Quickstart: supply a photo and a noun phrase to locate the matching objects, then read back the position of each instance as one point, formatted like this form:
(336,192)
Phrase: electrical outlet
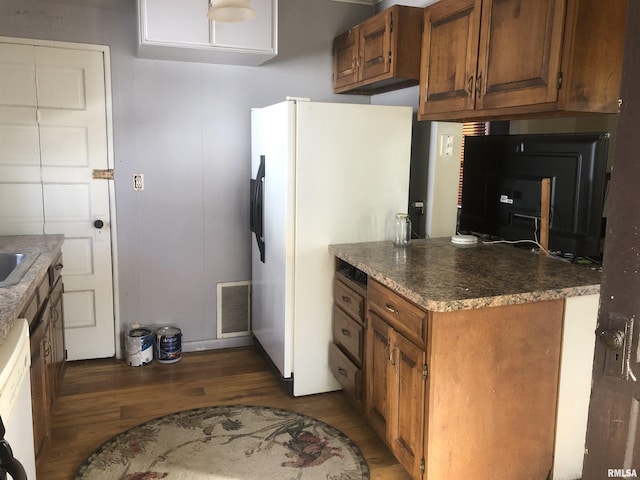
(138,182)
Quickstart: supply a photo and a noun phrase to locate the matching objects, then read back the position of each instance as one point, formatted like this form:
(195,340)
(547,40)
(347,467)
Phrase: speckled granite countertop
(443,277)
(14,299)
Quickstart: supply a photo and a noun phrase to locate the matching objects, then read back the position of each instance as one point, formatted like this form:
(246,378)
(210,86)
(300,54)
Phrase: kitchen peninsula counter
(468,361)
(14,299)
(442,277)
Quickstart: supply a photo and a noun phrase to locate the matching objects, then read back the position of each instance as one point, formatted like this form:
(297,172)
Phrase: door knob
(613,339)
(98,224)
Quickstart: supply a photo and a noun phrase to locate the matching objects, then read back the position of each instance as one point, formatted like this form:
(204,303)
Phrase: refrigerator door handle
(257,207)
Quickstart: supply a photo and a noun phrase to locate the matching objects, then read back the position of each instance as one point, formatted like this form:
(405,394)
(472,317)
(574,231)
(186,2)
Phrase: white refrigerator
(321,174)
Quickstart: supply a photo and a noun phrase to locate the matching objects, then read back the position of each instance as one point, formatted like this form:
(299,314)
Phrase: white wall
(186,127)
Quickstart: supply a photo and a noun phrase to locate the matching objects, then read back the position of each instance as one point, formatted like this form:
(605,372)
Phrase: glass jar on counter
(402,230)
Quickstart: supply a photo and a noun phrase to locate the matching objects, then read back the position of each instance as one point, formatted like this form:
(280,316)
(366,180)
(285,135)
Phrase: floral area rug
(228,443)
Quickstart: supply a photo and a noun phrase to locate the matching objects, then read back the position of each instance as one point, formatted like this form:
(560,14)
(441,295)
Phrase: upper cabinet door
(345,58)
(520,52)
(168,21)
(255,34)
(375,45)
(449,56)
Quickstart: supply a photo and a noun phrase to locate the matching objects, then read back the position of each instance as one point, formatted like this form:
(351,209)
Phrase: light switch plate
(447,145)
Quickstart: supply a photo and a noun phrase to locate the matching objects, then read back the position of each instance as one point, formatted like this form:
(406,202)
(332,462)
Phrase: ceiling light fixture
(230,10)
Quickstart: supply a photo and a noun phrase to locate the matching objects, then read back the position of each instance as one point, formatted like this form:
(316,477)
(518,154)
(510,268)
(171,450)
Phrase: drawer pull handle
(346,333)
(342,371)
(346,299)
(390,308)
(58,266)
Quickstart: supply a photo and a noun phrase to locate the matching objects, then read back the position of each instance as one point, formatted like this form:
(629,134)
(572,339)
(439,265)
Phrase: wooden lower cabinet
(464,394)
(396,385)
(396,377)
(45,315)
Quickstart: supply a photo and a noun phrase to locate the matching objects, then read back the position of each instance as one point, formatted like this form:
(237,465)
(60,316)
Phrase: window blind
(469,128)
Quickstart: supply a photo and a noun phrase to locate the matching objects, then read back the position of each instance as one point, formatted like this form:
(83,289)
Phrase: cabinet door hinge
(425,372)
(559,81)
(422,466)
(391,26)
(389,57)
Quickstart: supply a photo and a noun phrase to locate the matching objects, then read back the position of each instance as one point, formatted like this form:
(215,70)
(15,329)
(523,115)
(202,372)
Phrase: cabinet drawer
(349,300)
(348,333)
(401,314)
(346,372)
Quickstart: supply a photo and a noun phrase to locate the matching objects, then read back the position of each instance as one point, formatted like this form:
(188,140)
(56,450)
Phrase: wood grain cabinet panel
(348,374)
(41,398)
(396,378)
(346,353)
(449,57)
(493,389)
(48,354)
(507,58)
(58,349)
(349,334)
(398,312)
(407,386)
(463,394)
(380,54)
(345,59)
(377,373)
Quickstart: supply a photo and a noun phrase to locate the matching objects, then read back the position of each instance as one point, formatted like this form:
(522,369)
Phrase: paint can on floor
(139,347)
(168,345)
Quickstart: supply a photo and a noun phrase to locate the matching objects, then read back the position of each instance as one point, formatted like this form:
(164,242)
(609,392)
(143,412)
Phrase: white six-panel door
(53,134)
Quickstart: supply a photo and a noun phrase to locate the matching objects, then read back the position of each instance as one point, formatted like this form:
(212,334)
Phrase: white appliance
(15,395)
(322,173)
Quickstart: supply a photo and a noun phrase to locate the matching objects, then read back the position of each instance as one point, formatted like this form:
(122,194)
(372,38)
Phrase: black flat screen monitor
(501,188)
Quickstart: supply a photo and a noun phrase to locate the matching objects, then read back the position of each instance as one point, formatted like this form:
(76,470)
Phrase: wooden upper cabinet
(450,56)
(506,58)
(380,54)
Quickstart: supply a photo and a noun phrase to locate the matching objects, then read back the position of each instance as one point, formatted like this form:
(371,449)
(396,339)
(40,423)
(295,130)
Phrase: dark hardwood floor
(100,398)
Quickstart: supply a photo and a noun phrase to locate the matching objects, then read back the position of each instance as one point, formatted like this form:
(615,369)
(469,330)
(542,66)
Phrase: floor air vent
(234,309)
